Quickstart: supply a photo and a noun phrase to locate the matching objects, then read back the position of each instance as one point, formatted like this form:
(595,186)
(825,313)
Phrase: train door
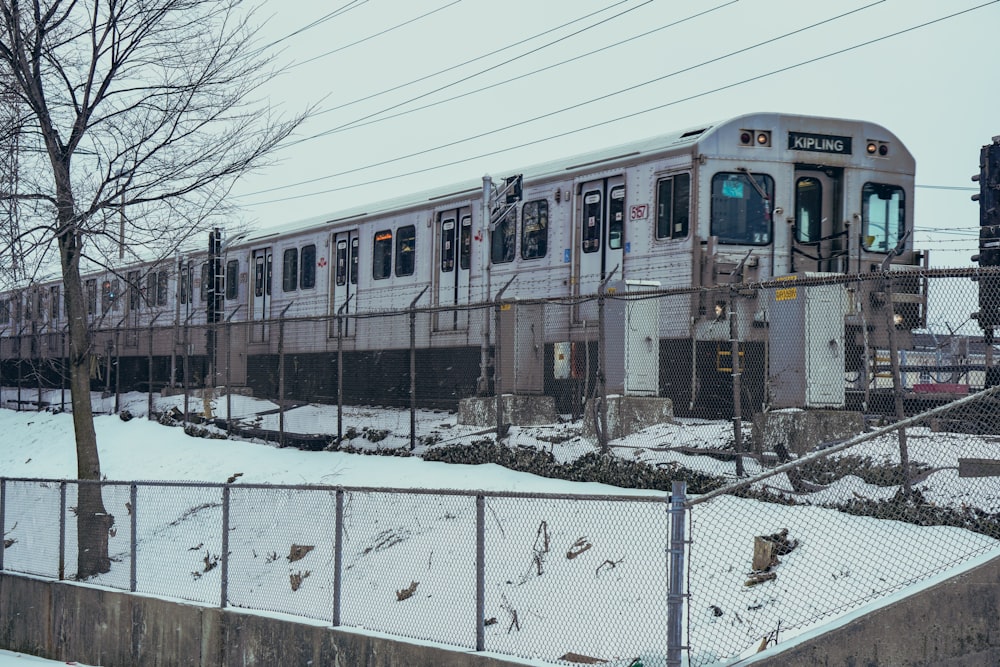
(260,296)
(601,233)
(344,278)
(819,236)
(454,244)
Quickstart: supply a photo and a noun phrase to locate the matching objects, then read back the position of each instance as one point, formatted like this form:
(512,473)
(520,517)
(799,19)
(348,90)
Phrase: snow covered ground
(615,578)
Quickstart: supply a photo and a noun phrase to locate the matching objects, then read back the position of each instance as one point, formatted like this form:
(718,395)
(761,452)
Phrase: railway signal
(989,232)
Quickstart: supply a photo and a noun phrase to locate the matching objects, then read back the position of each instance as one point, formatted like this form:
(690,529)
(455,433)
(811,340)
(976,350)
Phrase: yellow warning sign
(786,294)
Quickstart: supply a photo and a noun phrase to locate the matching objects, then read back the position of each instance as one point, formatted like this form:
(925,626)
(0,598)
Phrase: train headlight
(763,138)
(746,138)
(897,319)
(879,148)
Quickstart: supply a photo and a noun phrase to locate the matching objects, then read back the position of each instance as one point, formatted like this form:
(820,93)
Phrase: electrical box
(521,341)
(806,344)
(632,339)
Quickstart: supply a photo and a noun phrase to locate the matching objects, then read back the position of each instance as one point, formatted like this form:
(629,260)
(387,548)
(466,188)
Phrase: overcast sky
(921,68)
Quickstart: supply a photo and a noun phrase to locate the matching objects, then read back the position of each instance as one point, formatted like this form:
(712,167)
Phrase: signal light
(989,233)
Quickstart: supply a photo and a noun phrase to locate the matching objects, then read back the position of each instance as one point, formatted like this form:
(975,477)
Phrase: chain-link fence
(837,434)
(888,343)
(843,526)
(553,577)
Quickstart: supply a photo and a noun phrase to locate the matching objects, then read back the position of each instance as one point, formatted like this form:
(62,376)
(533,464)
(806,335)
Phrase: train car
(742,200)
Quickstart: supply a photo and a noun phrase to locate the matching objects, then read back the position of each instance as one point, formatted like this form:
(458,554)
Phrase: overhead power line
(480,57)
(605,122)
(378,116)
(343,9)
(574,106)
(372,36)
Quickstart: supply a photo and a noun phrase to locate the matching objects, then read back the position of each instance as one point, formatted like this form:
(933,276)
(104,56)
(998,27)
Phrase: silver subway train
(741,201)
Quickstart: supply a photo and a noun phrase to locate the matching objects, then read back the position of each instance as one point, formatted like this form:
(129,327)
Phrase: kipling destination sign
(819,143)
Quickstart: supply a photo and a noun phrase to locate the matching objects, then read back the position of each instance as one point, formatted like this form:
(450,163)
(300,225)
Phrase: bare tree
(140,115)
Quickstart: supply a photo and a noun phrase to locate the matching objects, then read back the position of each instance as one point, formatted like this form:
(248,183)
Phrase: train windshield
(883,213)
(741,208)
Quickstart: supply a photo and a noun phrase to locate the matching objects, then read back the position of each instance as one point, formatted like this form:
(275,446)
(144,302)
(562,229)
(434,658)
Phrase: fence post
(897,381)
(186,369)
(338,555)
(413,370)
(224,567)
(281,375)
(134,546)
(19,346)
(601,411)
(675,594)
(3,517)
(480,572)
(229,372)
(62,528)
(497,360)
(149,375)
(735,363)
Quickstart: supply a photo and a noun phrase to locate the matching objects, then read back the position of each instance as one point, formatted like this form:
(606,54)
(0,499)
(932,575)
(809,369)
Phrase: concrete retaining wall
(65,621)
(954,623)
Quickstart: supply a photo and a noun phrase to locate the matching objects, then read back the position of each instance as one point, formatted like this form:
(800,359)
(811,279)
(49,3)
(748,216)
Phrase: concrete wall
(64,621)
(954,623)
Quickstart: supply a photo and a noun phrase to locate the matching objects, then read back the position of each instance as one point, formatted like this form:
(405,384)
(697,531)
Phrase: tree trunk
(93,521)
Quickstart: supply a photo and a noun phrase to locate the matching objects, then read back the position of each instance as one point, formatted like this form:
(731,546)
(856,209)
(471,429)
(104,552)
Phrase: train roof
(702,138)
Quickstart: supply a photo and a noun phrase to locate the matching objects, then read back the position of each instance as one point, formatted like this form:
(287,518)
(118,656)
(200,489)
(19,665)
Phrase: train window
(232,279)
(132,278)
(109,295)
(465,249)
(503,239)
(406,246)
(534,229)
(262,273)
(28,314)
(54,302)
(616,221)
(206,282)
(307,279)
(883,214)
(185,286)
(290,270)
(593,221)
(673,197)
(4,311)
(448,245)
(808,210)
(162,283)
(382,255)
(341,275)
(741,208)
(355,247)
(91,286)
